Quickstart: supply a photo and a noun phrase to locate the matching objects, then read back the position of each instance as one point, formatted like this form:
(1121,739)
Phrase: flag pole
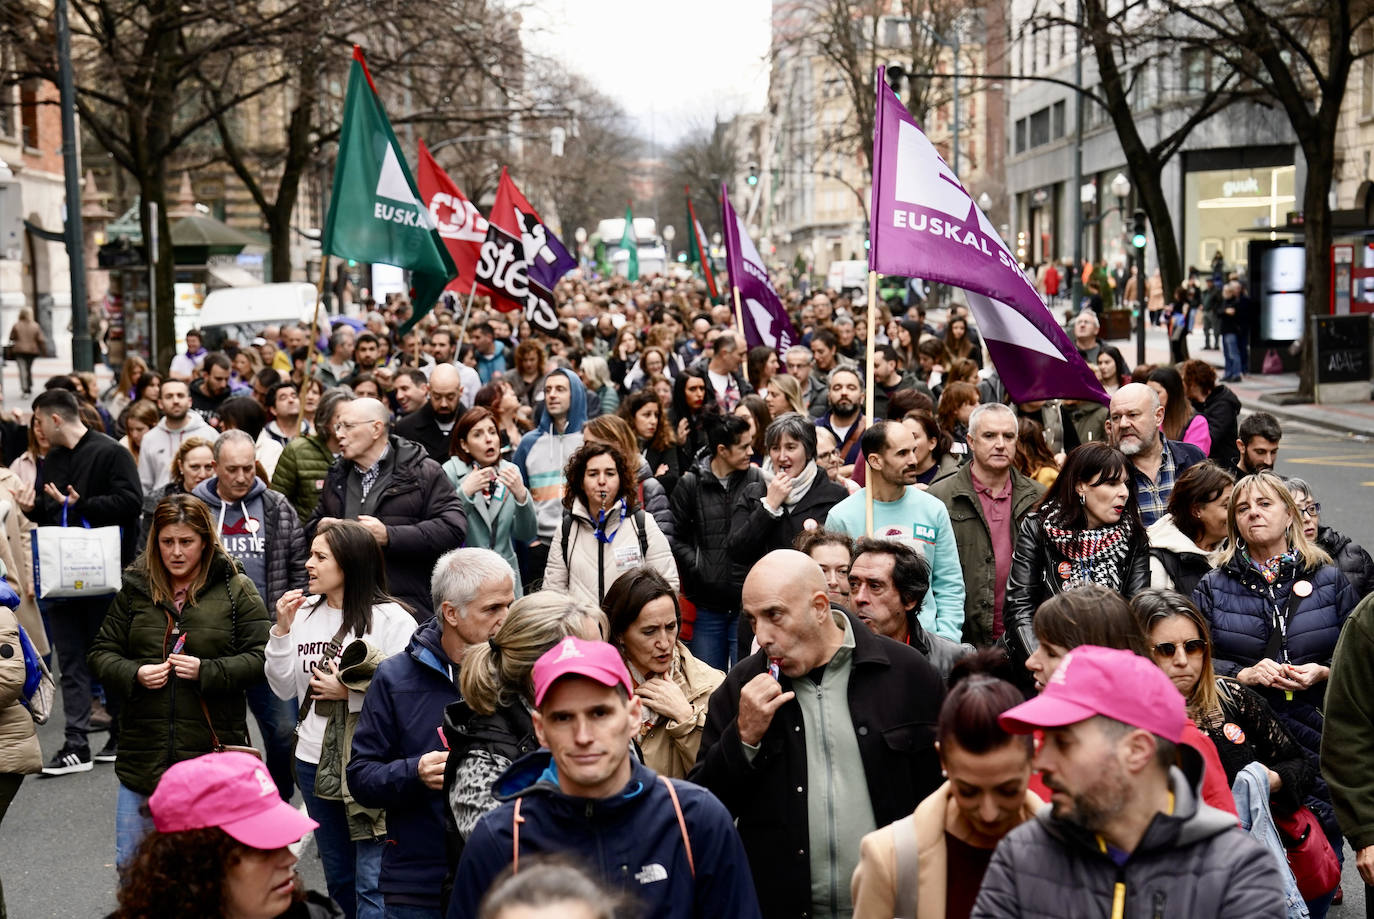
(467,311)
(315,318)
(739,317)
(868,389)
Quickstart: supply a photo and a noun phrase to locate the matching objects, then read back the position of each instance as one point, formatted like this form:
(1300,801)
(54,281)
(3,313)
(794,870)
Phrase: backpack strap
(681,823)
(907,877)
(567,530)
(643,537)
(516,820)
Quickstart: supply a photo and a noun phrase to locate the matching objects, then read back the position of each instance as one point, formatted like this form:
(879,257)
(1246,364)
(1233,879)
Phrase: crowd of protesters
(633,620)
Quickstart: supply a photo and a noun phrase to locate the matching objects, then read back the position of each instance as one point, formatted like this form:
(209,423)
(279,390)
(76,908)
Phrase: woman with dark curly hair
(221,849)
(604,531)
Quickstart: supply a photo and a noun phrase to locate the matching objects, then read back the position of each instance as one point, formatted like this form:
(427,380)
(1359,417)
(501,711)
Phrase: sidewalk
(1257,391)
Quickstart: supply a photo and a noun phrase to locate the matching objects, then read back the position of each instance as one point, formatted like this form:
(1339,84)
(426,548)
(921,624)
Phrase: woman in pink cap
(221,847)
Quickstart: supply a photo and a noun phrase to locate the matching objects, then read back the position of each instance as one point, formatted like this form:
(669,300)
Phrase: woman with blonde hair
(117,398)
(491,726)
(784,395)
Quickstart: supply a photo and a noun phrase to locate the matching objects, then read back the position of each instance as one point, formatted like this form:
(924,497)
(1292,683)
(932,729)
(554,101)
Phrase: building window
(1367,75)
(1057,119)
(9,124)
(1194,71)
(1040,128)
(28,115)
(1021,135)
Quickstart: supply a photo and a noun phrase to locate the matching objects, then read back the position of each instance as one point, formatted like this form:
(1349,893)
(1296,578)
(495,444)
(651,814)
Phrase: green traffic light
(752,180)
(1138,240)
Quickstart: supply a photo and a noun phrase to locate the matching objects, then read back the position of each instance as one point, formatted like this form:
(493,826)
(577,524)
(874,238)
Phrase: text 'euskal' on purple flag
(925,225)
(765,318)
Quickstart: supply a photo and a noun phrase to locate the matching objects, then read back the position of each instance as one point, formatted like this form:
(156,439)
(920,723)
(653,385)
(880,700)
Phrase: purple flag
(925,225)
(765,318)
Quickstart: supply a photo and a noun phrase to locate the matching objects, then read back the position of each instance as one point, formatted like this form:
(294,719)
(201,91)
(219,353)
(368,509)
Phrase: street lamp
(984,202)
(1121,186)
(668,234)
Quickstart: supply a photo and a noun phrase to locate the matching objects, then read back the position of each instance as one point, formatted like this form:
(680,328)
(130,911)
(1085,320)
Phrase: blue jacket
(400,720)
(1240,609)
(632,840)
(542,454)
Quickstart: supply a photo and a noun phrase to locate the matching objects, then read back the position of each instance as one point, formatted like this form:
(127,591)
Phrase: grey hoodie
(160,447)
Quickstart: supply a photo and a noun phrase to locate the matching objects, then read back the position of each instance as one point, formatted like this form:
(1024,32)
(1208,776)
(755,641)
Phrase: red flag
(460,224)
(521,259)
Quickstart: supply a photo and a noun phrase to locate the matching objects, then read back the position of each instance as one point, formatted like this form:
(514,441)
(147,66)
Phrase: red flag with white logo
(460,224)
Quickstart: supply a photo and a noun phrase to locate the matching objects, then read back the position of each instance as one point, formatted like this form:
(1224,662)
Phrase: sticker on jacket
(651,873)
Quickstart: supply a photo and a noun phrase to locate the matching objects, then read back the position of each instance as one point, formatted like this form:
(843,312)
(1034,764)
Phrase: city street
(59,862)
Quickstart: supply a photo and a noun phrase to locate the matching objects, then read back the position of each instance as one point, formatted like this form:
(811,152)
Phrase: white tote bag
(70,561)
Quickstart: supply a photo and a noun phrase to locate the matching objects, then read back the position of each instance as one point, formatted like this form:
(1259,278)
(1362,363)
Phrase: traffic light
(753,178)
(1138,229)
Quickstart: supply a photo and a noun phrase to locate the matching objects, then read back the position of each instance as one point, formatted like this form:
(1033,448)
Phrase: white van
(241,313)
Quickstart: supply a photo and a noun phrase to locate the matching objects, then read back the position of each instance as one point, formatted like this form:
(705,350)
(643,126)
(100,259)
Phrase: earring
(1082,499)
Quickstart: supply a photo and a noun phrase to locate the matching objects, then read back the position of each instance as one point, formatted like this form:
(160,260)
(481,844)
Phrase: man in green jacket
(305,461)
(987,500)
(1348,736)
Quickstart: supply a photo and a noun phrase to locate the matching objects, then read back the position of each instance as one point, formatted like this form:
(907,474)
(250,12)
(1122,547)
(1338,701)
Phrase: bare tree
(1299,53)
(701,160)
(1128,42)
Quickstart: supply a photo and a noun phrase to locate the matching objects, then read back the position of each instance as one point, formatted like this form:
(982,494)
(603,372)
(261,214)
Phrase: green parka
(225,626)
(300,472)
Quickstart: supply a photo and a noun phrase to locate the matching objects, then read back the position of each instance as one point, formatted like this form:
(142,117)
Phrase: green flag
(630,245)
(375,215)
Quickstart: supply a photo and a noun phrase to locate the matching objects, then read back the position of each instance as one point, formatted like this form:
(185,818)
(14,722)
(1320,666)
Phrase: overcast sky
(672,64)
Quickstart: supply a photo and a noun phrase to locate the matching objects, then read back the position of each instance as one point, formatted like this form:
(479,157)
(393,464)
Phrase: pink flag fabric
(765,318)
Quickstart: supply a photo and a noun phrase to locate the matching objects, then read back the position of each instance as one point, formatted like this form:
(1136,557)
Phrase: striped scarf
(1094,556)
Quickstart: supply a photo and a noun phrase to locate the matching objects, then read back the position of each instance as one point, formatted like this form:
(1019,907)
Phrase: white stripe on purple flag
(926,225)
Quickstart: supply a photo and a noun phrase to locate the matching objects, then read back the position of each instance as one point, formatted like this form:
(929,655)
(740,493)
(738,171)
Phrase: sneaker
(69,759)
(107,753)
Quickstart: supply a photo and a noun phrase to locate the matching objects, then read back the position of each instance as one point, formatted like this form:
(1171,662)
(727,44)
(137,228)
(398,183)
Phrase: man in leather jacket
(888,581)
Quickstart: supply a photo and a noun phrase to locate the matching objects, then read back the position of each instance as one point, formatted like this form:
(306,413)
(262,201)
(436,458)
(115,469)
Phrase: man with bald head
(432,423)
(824,734)
(389,485)
(1133,421)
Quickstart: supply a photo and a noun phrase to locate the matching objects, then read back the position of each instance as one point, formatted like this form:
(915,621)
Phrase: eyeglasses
(1311,510)
(1191,647)
(341,426)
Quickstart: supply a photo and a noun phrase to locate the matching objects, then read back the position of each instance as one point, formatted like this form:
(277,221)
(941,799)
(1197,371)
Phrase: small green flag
(375,214)
(630,245)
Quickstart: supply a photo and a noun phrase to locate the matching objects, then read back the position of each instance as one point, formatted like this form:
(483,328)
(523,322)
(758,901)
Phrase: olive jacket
(225,625)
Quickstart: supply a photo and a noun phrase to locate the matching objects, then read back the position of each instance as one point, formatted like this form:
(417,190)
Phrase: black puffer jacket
(716,540)
(1352,559)
(1036,576)
(423,518)
(1221,408)
(781,532)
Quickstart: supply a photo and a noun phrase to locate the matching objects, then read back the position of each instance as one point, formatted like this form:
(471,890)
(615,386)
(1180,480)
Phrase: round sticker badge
(1065,570)
(251,525)
(1233,733)
(810,524)
(1302,588)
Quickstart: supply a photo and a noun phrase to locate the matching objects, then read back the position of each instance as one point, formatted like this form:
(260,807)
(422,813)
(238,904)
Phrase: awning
(232,276)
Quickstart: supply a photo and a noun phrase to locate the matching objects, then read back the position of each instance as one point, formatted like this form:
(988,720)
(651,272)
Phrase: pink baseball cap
(229,790)
(1103,681)
(595,660)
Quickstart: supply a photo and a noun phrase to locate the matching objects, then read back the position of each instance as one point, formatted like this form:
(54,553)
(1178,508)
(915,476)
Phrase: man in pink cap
(1126,833)
(670,846)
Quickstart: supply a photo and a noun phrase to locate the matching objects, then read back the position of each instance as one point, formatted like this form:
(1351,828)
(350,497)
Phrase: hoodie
(543,453)
(160,447)
(1176,562)
(242,527)
(401,710)
(1193,861)
(632,841)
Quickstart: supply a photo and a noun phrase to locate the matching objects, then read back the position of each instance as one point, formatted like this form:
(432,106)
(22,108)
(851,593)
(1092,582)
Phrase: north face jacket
(632,842)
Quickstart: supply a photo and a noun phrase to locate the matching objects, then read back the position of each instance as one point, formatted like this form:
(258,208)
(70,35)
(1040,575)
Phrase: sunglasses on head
(1190,647)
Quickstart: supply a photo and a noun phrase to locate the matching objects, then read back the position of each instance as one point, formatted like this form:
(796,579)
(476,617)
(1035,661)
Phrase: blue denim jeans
(1230,352)
(352,870)
(130,824)
(714,638)
(277,721)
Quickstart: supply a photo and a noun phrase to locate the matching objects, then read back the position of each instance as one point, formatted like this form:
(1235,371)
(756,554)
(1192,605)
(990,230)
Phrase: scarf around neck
(1093,556)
